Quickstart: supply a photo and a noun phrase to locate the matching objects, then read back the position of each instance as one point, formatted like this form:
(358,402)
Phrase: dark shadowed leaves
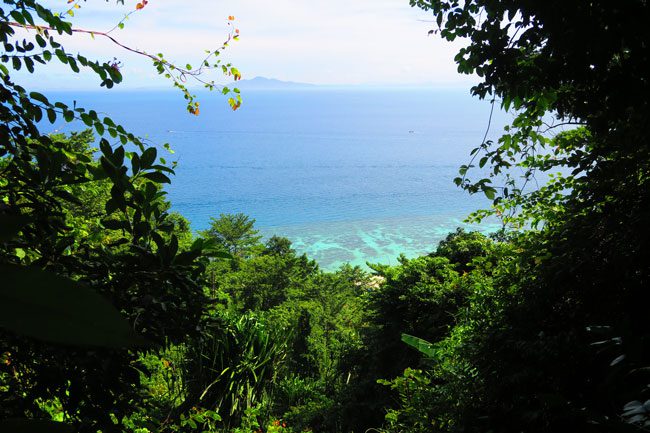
(16,425)
(10,225)
(48,307)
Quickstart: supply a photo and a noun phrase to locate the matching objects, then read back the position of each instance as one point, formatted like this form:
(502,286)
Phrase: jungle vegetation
(116,317)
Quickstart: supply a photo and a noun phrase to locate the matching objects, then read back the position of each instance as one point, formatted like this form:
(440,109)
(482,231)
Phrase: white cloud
(327,42)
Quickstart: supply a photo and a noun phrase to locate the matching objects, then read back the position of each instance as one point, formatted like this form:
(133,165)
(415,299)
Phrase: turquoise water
(348,175)
(371,240)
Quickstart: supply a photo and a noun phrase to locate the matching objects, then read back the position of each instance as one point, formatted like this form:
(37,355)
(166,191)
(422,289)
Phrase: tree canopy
(234,232)
(89,254)
(584,66)
(562,351)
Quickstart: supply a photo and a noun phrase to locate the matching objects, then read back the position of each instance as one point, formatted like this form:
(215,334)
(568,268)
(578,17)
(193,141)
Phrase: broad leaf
(419,344)
(48,307)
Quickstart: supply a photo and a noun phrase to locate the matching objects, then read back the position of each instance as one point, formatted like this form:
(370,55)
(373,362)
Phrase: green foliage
(234,232)
(420,345)
(18,425)
(87,247)
(319,314)
(118,251)
(265,281)
(305,405)
(48,307)
(462,248)
(415,396)
(233,367)
(444,394)
(422,297)
(527,61)
(555,341)
(181,230)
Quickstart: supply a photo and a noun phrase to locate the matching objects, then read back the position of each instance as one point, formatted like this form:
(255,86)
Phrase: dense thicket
(92,269)
(567,350)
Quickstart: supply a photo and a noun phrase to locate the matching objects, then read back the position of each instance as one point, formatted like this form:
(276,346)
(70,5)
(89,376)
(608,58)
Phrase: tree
(565,351)
(278,245)
(84,287)
(528,61)
(422,297)
(234,232)
(267,279)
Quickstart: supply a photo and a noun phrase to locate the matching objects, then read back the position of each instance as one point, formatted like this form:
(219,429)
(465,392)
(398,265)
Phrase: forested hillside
(116,317)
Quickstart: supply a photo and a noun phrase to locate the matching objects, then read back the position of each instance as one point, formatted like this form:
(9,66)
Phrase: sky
(332,42)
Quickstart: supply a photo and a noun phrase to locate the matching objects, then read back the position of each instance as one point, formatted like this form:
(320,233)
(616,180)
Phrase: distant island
(263,83)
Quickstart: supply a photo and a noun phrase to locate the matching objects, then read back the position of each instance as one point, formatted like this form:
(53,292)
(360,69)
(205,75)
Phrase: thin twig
(183,72)
(487,131)
(549,127)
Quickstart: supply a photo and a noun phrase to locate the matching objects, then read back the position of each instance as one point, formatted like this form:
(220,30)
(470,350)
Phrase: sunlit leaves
(108,72)
(179,75)
(420,345)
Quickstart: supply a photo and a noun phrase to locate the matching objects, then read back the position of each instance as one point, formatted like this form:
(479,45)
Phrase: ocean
(348,175)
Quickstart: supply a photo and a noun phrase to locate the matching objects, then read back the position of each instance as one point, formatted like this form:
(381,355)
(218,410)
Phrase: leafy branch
(177,74)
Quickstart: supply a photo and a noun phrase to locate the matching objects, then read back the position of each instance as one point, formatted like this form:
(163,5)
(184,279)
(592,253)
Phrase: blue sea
(348,175)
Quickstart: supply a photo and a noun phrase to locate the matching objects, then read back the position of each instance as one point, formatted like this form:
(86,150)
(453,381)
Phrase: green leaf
(162,168)
(65,195)
(40,41)
(52,308)
(173,246)
(157,177)
(111,206)
(18,16)
(135,163)
(73,64)
(29,64)
(489,192)
(39,97)
(63,58)
(420,345)
(85,118)
(105,147)
(148,157)
(51,115)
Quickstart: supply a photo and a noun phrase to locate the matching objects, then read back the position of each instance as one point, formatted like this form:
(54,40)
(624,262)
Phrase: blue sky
(378,42)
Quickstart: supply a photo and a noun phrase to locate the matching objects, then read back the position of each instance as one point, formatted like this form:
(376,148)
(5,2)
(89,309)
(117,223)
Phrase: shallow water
(371,240)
